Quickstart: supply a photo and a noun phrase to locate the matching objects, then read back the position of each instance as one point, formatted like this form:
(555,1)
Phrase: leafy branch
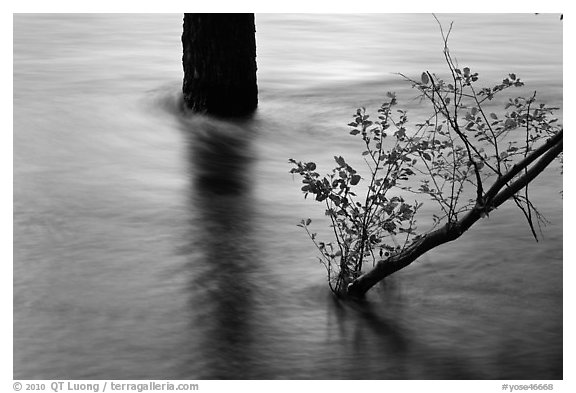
(468,161)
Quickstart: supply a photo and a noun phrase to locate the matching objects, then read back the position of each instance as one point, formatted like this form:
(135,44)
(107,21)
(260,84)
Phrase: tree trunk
(220,64)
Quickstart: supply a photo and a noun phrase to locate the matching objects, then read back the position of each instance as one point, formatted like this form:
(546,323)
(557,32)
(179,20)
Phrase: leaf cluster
(460,157)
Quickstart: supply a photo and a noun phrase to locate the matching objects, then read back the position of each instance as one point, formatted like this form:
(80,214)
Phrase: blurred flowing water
(148,244)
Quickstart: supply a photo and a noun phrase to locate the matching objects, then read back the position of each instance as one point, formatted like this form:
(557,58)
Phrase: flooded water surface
(151,245)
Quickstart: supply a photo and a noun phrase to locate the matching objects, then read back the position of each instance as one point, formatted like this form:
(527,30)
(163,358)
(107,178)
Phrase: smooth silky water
(152,245)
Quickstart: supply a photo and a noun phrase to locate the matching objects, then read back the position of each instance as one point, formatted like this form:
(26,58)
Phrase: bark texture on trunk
(219,63)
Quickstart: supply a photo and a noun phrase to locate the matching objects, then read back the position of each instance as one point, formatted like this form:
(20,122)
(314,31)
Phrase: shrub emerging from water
(466,159)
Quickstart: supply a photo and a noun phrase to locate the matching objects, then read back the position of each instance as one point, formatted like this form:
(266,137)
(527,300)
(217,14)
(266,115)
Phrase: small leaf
(401,133)
(355,179)
(354,132)
(510,123)
(335,199)
(425,78)
(493,115)
(308,221)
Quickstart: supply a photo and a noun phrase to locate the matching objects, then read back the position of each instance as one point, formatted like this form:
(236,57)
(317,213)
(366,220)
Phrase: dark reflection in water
(389,347)
(221,281)
(221,159)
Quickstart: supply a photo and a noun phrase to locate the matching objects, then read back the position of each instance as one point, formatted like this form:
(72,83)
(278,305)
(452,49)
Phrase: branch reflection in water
(381,335)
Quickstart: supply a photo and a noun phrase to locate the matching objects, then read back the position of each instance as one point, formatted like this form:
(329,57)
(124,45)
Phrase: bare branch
(518,167)
(550,154)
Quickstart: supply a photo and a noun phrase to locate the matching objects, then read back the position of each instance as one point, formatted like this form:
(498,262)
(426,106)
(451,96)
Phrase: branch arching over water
(500,192)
